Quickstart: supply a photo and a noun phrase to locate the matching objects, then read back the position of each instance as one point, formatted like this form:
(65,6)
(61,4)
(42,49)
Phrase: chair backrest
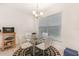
(47,41)
(27,35)
(45,35)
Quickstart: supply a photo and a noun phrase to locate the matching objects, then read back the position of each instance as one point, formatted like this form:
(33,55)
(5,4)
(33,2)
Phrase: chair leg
(43,53)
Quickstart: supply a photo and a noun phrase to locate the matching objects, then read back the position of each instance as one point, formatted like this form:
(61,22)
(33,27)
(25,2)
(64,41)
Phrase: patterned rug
(51,51)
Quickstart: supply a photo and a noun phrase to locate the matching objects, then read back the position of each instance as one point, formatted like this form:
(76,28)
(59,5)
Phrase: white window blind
(51,25)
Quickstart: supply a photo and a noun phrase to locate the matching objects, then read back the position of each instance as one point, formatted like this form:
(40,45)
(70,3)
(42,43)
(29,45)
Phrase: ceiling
(28,7)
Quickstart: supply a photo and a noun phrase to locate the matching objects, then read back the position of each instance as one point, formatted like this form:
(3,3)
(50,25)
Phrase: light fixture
(41,13)
(37,13)
(34,12)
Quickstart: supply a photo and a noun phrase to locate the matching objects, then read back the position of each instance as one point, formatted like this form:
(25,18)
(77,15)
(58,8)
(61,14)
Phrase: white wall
(13,17)
(70,24)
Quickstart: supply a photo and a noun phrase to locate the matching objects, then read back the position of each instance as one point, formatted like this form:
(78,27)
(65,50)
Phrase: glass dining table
(37,47)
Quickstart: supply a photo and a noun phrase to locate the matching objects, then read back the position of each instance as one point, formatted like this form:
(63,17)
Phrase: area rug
(51,51)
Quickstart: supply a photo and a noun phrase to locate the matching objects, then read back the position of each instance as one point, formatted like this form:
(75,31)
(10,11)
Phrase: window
(51,25)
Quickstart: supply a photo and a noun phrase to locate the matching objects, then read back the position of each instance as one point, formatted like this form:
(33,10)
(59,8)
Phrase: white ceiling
(28,6)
